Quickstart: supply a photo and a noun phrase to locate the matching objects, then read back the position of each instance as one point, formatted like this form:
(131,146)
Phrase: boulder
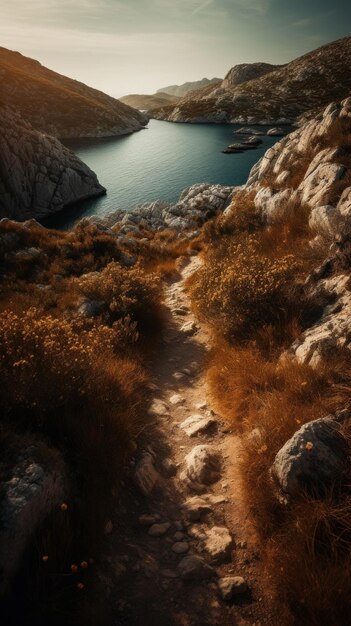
(311,461)
(202,467)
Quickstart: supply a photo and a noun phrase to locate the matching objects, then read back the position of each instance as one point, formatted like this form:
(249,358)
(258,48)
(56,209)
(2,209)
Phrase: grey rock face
(27,497)
(312,460)
(38,175)
(247,71)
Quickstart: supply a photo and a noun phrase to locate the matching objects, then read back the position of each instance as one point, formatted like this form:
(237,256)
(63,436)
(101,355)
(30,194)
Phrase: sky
(139,46)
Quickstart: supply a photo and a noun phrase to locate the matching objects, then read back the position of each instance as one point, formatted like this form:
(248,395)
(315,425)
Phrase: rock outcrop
(195,206)
(265,94)
(38,175)
(309,171)
(60,106)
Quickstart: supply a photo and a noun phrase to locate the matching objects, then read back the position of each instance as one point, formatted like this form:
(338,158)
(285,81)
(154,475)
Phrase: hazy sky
(138,46)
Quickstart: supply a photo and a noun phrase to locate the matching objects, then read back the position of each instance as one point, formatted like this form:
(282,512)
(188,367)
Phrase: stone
(201,406)
(90,308)
(145,475)
(311,461)
(202,466)
(158,407)
(195,568)
(195,507)
(196,424)
(108,527)
(147,520)
(275,132)
(158,530)
(177,399)
(180,547)
(169,467)
(218,543)
(178,536)
(189,328)
(231,587)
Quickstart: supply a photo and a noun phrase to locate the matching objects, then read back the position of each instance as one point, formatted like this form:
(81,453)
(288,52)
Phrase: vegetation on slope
(252,291)
(80,318)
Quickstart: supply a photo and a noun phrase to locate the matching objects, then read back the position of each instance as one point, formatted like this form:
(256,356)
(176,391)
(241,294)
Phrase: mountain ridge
(278,96)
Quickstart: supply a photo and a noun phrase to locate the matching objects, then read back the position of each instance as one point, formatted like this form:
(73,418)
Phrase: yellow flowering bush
(241,288)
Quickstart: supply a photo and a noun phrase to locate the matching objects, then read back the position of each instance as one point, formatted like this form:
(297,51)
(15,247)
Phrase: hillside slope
(279,96)
(145,102)
(38,175)
(185,88)
(60,106)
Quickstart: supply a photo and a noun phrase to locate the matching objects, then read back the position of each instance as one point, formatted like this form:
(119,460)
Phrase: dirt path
(145,582)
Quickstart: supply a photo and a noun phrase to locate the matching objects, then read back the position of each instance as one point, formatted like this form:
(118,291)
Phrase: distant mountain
(264,93)
(146,102)
(183,90)
(60,106)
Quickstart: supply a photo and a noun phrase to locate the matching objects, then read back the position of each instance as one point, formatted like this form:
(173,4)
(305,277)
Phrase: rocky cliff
(310,171)
(38,175)
(260,93)
(60,106)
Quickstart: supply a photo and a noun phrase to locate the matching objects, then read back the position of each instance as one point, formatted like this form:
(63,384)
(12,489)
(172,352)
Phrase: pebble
(108,527)
(177,399)
(189,328)
(196,424)
(201,406)
(169,573)
(180,547)
(157,530)
(158,407)
(194,567)
(178,375)
(218,543)
(178,536)
(147,520)
(169,467)
(232,586)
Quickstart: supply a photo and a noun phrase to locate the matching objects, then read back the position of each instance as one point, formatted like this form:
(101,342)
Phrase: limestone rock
(203,466)
(158,407)
(26,190)
(218,543)
(231,587)
(157,530)
(177,399)
(195,507)
(275,132)
(195,568)
(312,460)
(145,475)
(196,424)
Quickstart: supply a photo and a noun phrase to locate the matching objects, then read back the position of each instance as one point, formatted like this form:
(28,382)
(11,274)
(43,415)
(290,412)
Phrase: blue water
(159,162)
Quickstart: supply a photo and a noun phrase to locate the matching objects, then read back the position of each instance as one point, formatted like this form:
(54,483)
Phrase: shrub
(240,289)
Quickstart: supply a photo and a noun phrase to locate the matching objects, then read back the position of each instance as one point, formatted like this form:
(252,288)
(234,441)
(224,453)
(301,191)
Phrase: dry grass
(250,290)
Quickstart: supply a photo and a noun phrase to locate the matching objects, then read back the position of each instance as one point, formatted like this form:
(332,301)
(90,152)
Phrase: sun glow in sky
(138,46)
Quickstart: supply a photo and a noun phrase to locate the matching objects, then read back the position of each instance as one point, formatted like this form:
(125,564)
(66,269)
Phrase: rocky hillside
(280,94)
(38,175)
(60,106)
(146,102)
(183,90)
